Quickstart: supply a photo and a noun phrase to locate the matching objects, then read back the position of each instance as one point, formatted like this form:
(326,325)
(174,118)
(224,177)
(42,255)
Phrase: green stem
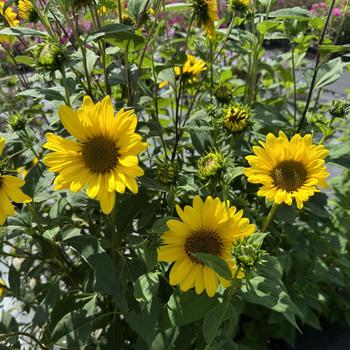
(211,63)
(66,90)
(228,33)
(115,242)
(269,217)
(294,87)
(316,68)
(128,76)
(13,334)
(43,20)
(120,11)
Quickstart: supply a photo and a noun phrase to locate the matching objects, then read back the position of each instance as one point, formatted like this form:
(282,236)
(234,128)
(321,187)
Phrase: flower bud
(237,117)
(210,164)
(247,253)
(339,109)
(17,122)
(224,92)
(238,5)
(154,239)
(50,56)
(168,172)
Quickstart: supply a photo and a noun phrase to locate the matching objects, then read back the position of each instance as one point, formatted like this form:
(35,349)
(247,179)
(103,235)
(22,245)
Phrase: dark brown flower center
(289,175)
(203,241)
(100,155)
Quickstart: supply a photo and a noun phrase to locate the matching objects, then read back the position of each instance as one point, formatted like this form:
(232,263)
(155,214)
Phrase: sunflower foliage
(173,175)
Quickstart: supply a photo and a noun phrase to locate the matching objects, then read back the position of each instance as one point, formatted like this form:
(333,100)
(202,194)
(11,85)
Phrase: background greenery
(65,285)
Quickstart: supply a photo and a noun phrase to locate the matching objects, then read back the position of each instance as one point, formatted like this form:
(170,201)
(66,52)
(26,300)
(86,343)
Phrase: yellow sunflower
(26,11)
(205,14)
(191,68)
(10,18)
(10,191)
(207,227)
(103,158)
(9,15)
(288,169)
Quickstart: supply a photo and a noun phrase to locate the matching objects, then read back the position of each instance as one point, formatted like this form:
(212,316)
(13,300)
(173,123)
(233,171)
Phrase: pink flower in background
(321,9)
(337,12)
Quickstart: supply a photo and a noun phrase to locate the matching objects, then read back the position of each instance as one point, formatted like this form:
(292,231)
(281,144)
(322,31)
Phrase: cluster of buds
(338,109)
(247,252)
(211,164)
(168,172)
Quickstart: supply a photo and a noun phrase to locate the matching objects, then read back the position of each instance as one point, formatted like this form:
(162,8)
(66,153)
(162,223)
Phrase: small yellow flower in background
(163,84)
(103,159)
(237,117)
(26,11)
(23,171)
(10,191)
(2,287)
(9,15)
(191,68)
(10,18)
(288,169)
(205,14)
(239,5)
(207,227)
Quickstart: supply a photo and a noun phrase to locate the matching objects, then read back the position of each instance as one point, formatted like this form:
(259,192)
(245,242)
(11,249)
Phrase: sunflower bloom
(9,15)
(10,18)
(205,14)
(103,158)
(10,192)
(288,169)
(26,11)
(191,68)
(207,227)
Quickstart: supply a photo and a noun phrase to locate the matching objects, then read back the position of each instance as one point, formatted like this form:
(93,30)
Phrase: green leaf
(177,7)
(268,290)
(50,234)
(212,322)
(146,287)
(330,72)
(114,28)
(184,308)
(106,279)
(144,323)
(76,324)
(137,7)
(21,31)
(266,26)
(215,263)
(292,13)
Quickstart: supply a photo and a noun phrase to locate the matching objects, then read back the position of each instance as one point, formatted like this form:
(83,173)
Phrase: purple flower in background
(337,12)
